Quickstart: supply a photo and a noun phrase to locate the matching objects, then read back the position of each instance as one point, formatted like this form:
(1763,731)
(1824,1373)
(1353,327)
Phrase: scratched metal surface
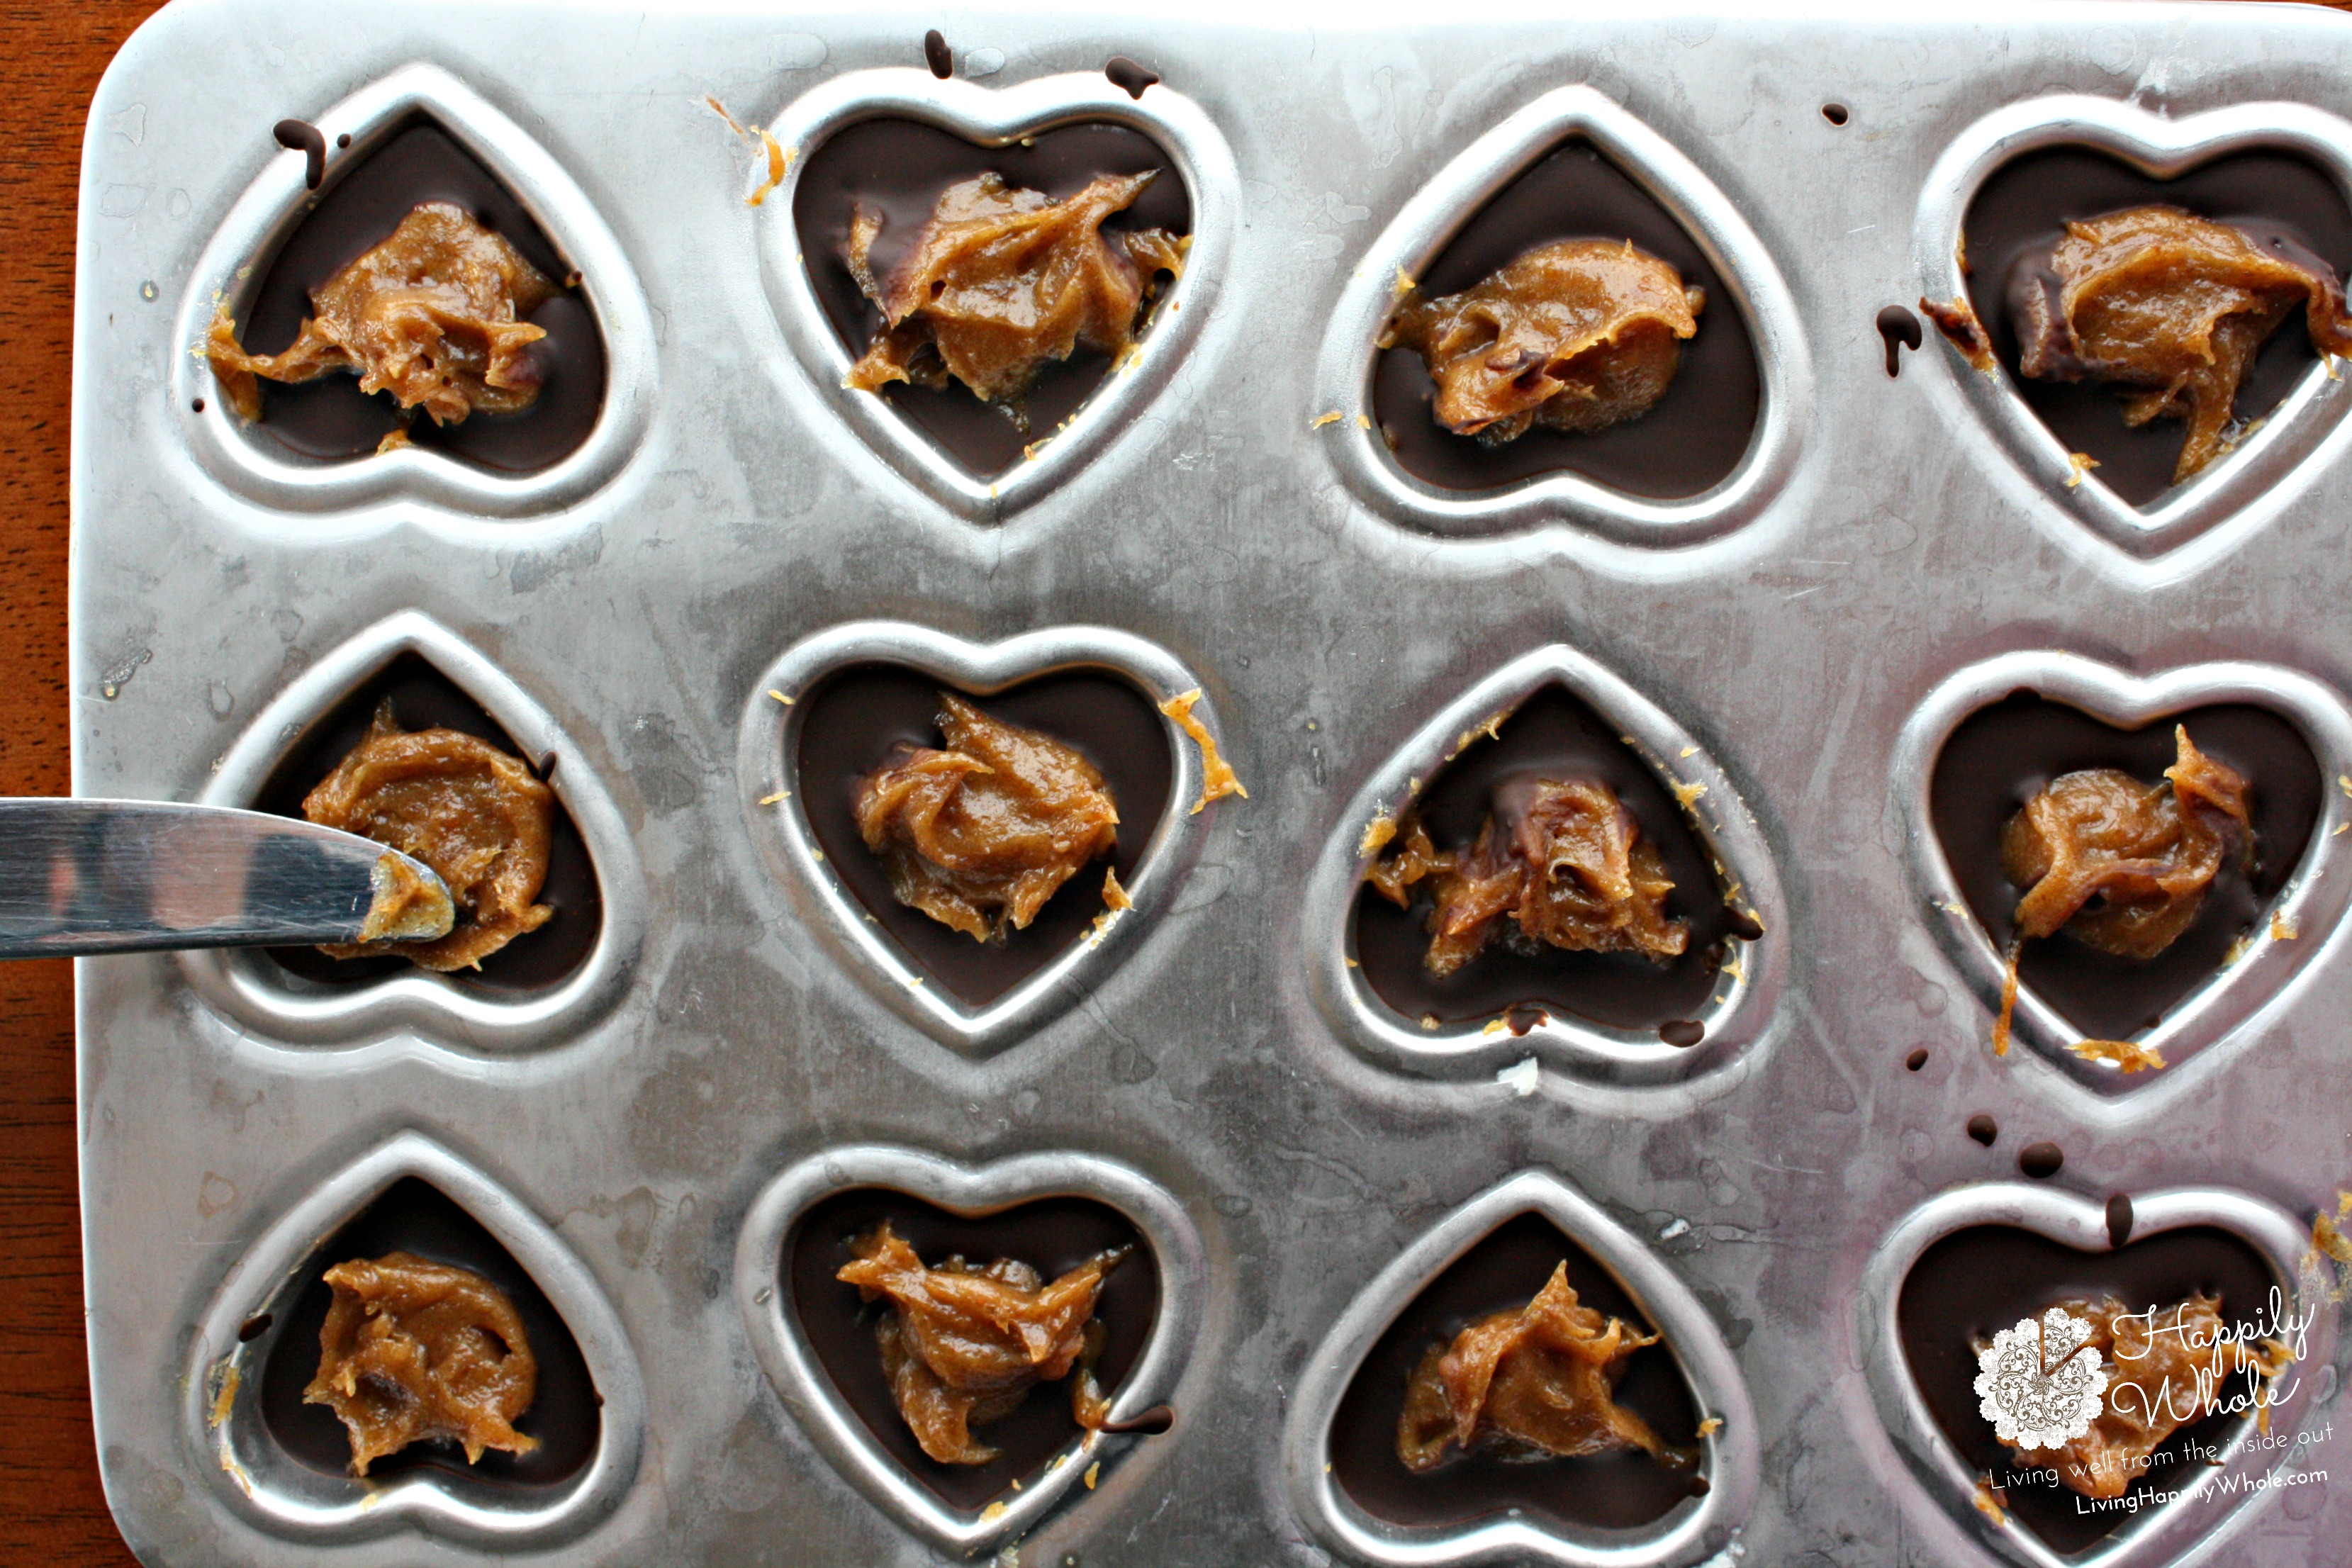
(622,1141)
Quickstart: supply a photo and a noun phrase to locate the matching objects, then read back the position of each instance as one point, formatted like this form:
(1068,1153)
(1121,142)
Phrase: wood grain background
(52,53)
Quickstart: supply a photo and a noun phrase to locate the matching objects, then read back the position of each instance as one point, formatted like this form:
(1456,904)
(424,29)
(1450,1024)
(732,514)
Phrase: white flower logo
(2042,1385)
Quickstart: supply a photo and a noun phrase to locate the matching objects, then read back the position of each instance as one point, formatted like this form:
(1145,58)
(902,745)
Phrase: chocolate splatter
(1152,1423)
(1742,924)
(253,1328)
(1917,1060)
(1900,327)
(1129,77)
(2119,1220)
(1525,1017)
(1683,1032)
(2041,1161)
(1835,114)
(301,136)
(1983,1128)
(938,56)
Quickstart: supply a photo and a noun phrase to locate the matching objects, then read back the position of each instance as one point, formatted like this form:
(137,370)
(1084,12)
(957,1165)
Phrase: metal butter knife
(124,876)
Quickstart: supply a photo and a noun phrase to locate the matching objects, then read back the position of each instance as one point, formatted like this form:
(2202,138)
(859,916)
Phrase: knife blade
(128,876)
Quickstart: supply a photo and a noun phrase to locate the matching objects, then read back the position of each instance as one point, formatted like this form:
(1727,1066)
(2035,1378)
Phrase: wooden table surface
(52,1508)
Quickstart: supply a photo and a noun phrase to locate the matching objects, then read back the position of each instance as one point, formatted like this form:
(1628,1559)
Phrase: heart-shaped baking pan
(282,1463)
(2027,167)
(1996,730)
(416,134)
(1573,164)
(1495,1251)
(1603,1018)
(1049,1210)
(1974,1262)
(833,707)
(538,991)
(1162,126)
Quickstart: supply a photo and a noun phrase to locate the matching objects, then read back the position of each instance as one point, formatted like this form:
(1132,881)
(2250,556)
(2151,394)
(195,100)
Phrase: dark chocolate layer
(902,168)
(1974,1283)
(1553,735)
(1690,441)
(2024,207)
(853,719)
(1052,1235)
(1616,1491)
(424,698)
(331,418)
(2001,754)
(413,1215)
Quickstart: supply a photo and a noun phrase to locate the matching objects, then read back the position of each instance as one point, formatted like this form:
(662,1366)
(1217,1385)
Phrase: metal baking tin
(638,1138)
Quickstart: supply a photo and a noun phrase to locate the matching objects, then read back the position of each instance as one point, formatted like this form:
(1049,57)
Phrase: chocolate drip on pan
(1552,735)
(2001,754)
(2024,207)
(329,418)
(1617,1490)
(1051,1235)
(424,698)
(413,1215)
(1697,432)
(901,167)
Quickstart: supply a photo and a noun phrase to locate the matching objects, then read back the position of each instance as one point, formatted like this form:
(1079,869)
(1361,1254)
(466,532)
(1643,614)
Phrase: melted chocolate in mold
(1900,327)
(1976,1282)
(1983,1128)
(2024,206)
(1552,735)
(852,719)
(2041,1161)
(2002,753)
(1616,1491)
(329,418)
(301,136)
(424,698)
(901,167)
(1051,1235)
(1689,441)
(413,1215)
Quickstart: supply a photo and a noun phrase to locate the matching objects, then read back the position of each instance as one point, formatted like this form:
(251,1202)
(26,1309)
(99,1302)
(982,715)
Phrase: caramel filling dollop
(2160,300)
(472,812)
(432,315)
(980,835)
(415,1350)
(1528,1383)
(963,1345)
(1577,335)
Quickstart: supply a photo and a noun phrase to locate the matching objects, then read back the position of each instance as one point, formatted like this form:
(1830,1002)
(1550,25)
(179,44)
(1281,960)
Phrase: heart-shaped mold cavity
(834,709)
(896,140)
(1994,733)
(2008,182)
(899,167)
(422,698)
(330,419)
(2001,754)
(815,1338)
(1703,459)
(561,973)
(1552,715)
(1052,1235)
(417,135)
(849,724)
(1621,1490)
(2023,209)
(1492,1253)
(1689,442)
(1553,734)
(286,1464)
(1976,1261)
(1976,1282)
(413,1216)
